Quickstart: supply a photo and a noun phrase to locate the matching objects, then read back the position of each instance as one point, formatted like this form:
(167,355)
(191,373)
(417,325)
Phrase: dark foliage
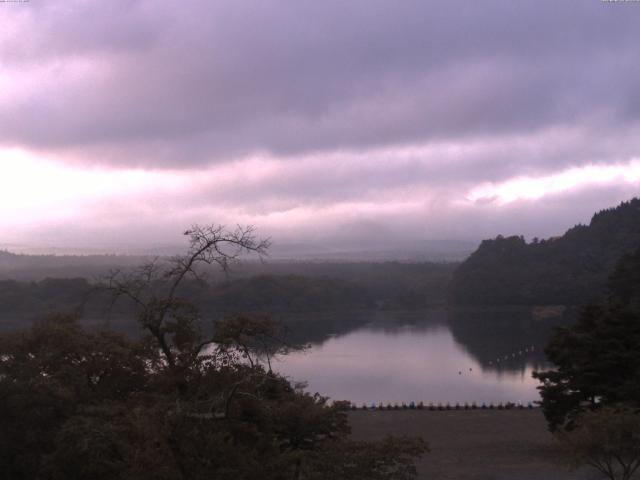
(177,403)
(389,285)
(598,359)
(288,288)
(285,293)
(76,405)
(567,270)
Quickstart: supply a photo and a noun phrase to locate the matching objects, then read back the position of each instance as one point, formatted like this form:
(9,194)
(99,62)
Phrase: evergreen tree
(597,360)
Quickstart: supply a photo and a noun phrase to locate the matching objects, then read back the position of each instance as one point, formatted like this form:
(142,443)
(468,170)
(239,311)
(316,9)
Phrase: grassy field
(474,444)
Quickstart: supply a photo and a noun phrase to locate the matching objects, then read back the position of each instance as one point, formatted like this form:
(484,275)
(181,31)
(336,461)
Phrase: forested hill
(570,270)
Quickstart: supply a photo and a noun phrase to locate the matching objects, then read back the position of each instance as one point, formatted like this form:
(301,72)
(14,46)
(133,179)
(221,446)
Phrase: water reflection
(504,340)
(433,356)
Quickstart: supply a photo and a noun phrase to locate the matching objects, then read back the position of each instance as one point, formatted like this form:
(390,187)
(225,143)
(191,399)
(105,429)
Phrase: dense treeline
(20,301)
(291,287)
(388,284)
(36,267)
(267,293)
(571,269)
(286,292)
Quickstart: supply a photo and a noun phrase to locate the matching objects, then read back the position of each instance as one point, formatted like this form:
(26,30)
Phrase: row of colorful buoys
(513,355)
(443,406)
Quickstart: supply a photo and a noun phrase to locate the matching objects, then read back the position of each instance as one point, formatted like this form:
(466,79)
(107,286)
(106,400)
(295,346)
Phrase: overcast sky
(335,122)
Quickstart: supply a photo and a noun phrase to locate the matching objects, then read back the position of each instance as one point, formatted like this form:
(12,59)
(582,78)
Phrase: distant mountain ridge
(570,270)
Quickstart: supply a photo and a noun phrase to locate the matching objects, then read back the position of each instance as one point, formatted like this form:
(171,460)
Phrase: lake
(430,356)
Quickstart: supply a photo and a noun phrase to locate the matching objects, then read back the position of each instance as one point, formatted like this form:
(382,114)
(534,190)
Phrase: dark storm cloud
(168,84)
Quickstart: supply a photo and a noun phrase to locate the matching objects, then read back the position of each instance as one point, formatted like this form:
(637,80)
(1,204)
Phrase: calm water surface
(477,359)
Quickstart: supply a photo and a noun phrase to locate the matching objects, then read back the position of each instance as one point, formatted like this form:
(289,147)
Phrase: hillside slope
(571,269)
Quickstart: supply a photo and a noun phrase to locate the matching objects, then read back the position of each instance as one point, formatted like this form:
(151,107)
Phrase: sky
(339,124)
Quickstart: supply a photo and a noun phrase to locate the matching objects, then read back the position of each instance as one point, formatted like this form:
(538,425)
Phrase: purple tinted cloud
(354,113)
(195,82)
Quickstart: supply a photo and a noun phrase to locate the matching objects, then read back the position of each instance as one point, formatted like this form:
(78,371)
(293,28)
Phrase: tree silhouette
(154,288)
(175,404)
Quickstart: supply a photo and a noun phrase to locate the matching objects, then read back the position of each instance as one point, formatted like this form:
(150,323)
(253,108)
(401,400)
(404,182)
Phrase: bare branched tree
(153,288)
